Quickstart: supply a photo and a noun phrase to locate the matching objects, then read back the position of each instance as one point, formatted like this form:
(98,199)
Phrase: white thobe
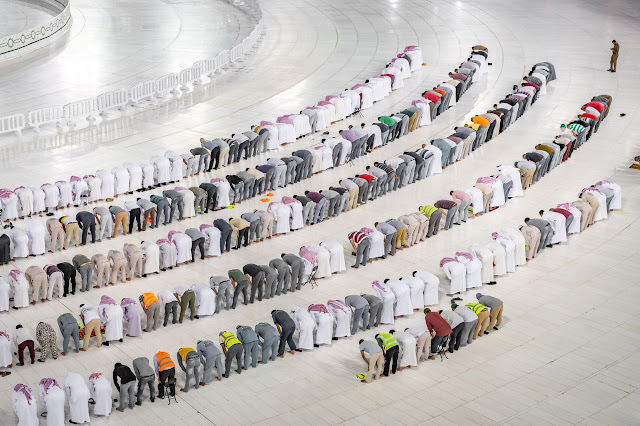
(151,257)
(135,175)
(212,235)
(286,133)
(10,207)
(223,193)
(281,215)
(101,392)
(514,175)
(183,243)
(121,178)
(79,187)
(27,412)
(273,140)
(38,199)
(377,244)
(189,200)
(66,193)
(112,316)
(416,287)
(301,124)
(477,202)
(51,196)
(342,321)
(574,227)
(37,232)
(436,162)
(416,58)
(297,220)
(403,297)
(20,289)
(176,161)
(305,324)
(52,402)
(425,118)
(431,286)
(486,257)
(25,198)
(162,168)
(497,198)
(327,157)
(147,175)
(457,274)
(408,346)
(168,255)
(6,357)
(20,241)
(108,186)
(205,299)
(510,253)
(616,201)
(78,396)
(559,224)
(388,301)
(520,243)
(95,188)
(323,260)
(324,327)
(601,213)
(336,252)
(474,271)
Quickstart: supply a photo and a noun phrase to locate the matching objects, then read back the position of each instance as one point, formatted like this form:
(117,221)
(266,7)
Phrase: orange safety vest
(148,299)
(164,361)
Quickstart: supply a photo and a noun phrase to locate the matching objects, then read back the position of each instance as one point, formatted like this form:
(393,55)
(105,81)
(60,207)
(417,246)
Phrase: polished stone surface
(567,351)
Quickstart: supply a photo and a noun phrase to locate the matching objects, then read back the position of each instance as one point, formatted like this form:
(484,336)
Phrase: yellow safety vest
(387,341)
(476,307)
(229,339)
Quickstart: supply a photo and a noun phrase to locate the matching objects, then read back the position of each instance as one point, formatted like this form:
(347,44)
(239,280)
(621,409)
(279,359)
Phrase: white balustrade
(185,77)
(197,70)
(80,109)
(236,53)
(42,116)
(114,99)
(166,84)
(141,91)
(12,123)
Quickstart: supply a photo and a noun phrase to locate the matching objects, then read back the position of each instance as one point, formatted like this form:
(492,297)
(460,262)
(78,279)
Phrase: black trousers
(134,214)
(257,285)
(454,340)
(215,158)
(243,234)
(286,338)
(163,376)
(391,357)
(200,244)
(225,240)
(69,278)
(86,227)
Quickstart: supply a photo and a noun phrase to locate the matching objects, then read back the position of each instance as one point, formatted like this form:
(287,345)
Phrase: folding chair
(312,278)
(170,388)
(442,348)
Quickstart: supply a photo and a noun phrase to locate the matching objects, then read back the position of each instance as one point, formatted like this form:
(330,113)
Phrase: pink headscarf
(205,226)
(4,334)
(106,300)
(163,241)
(216,180)
(89,176)
(180,188)
(566,206)
(95,376)
(312,107)
(48,382)
(266,123)
(318,308)
(308,254)
(45,184)
(329,97)
(20,187)
(323,103)
(284,119)
(376,284)
(603,182)
(486,179)
(61,181)
(289,200)
(26,390)
(411,48)
(75,179)
(15,274)
(447,260)
(171,234)
(366,231)
(591,190)
(5,193)
(339,304)
(463,254)
(127,302)
(419,101)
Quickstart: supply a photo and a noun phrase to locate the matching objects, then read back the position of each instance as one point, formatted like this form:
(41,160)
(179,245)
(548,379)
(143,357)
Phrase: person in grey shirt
(270,280)
(376,358)
(84,266)
(495,305)
(249,340)
(284,276)
(197,241)
(333,198)
(176,202)
(360,307)
(162,209)
(68,328)
(297,269)
(363,189)
(390,238)
(381,180)
(221,285)
(470,320)
(255,226)
(146,376)
(210,356)
(546,231)
(249,183)
(286,326)
(375,310)
(456,322)
(269,343)
(105,220)
(191,369)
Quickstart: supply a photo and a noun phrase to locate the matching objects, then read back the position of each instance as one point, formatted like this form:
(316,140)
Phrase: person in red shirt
(587,115)
(596,105)
(431,97)
(438,327)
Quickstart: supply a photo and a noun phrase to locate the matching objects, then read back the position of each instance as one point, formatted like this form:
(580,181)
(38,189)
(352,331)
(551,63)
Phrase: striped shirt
(445,204)
(576,127)
(357,237)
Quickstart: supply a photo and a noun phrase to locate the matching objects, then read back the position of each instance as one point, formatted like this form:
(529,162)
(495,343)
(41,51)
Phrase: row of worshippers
(547,155)
(483,262)
(173,166)
(443,330)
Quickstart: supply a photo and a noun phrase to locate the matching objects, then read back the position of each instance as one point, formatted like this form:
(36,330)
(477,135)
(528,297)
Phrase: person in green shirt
(240,283)
(434,214)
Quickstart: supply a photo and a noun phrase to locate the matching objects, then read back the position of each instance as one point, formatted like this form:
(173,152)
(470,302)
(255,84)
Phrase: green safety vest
(387,341)
(229,339)
(476,307)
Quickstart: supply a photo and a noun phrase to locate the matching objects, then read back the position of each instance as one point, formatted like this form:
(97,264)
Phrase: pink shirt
(460,195)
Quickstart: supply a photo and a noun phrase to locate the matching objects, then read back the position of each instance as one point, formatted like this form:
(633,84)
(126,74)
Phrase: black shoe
(105,343)
(486,332)
(121,340)
(495,328)
(138,403)
(492,283)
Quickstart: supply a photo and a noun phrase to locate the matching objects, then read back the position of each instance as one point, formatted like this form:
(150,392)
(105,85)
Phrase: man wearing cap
(470,321)
(438,327)
(483,318)
(495,305)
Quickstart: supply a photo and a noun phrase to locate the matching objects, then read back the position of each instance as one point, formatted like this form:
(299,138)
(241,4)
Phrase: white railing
(11,45)
(119,99)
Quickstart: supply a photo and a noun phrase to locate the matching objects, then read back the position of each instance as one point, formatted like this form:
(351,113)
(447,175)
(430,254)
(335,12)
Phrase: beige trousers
(92,326)
(376,360)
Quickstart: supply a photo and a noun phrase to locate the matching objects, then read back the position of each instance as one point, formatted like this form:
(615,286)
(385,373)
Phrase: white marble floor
(567,352)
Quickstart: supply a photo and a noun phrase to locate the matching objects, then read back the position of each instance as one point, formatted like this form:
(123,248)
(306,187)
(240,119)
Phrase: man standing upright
(614,56)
